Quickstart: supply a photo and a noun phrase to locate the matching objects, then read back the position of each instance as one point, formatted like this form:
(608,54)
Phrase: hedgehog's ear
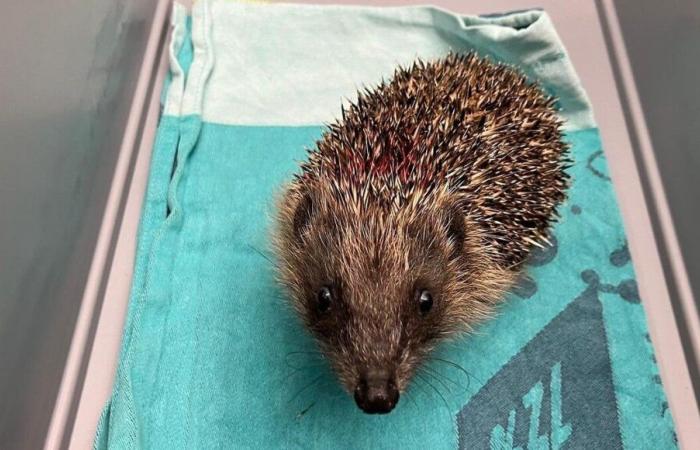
(455,226)
(302,214)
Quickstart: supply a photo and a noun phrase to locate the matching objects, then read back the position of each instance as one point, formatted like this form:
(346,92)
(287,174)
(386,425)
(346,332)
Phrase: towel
(212,354)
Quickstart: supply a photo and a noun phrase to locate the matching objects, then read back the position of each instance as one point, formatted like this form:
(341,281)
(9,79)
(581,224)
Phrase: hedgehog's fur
(441,179)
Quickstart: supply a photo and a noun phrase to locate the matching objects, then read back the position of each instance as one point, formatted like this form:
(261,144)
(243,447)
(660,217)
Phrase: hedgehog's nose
(376,394)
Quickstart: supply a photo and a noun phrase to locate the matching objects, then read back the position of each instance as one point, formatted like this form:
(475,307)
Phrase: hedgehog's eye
(324,299)
(425,301)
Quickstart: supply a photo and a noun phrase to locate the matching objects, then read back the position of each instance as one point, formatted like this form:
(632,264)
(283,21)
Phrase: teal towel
(212,355)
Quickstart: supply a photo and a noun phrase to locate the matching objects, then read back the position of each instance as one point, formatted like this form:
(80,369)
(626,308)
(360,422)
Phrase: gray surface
(67,72)
(663,45)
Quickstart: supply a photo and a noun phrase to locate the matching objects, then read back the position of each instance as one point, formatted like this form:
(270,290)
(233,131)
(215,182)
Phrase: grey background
(663,44)
(67,74)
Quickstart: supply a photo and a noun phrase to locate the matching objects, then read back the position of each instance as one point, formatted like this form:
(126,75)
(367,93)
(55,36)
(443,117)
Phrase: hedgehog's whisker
(305,410)
(309,365)
(261,253)
(296,370)
(418,385)
(444,377)
(316,361)
(298,393)
(458,367)
(437,391)
(435,377)
(410,397)
(305,352)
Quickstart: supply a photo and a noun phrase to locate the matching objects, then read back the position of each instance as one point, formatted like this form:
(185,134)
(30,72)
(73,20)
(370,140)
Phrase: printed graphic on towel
(591,165)
(502,438)
(558,391)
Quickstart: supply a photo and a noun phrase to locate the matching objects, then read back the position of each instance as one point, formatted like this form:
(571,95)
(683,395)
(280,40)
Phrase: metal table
(591,34)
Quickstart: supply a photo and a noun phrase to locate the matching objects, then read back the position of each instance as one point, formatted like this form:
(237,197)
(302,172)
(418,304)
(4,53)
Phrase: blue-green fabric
(213,357)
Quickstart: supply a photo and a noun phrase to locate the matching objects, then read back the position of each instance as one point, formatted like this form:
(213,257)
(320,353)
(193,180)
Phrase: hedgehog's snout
(376,392)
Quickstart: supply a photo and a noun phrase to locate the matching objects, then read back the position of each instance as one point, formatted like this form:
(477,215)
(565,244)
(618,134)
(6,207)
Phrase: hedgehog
(414,213)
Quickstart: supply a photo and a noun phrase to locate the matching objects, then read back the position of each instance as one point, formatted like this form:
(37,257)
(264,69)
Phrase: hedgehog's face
(378,289)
